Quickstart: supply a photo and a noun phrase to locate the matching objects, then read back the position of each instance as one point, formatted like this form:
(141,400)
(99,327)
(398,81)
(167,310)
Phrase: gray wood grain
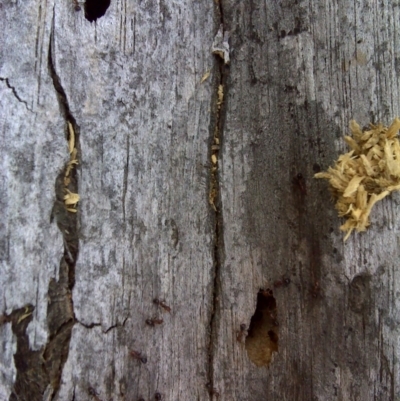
(300,71)
(131,84)
(146,128)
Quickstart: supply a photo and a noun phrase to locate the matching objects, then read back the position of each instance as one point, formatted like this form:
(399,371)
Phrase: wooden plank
(149,134)
(33,152)
(133,84)
(300,71)
(130,85)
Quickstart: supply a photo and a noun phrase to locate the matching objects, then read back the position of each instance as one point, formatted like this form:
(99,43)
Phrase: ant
(274,319)
(212,390)
(282,283)
(242,333)
(77,5)
(158,396)
(162,304)
(267,292)
(92,392)
(315,290)
(301,183)
(138,355)
(152,322)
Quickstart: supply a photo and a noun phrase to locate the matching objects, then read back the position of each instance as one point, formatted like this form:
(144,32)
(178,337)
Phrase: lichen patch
(366,174)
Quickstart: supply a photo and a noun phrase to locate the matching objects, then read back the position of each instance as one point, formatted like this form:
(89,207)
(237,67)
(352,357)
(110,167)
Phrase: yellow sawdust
(366,174)
(71,199)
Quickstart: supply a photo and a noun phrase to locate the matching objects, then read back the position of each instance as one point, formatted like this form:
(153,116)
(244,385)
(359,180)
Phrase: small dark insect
(152,322)
(162,304)
(242,333)
(138,355)
(92,392)
(212,390)
(274,319)
(282,283)
(315,290)
(301,183)
(267,292)
(157,396)
(78,4)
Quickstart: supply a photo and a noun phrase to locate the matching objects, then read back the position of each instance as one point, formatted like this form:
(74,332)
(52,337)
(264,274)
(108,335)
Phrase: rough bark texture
(197,191)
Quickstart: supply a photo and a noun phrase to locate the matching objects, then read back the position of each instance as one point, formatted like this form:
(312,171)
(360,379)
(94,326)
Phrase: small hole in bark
(95,9)
(316,168)
(262,338)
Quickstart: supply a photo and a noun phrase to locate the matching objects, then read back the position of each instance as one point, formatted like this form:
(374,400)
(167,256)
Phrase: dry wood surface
(198,258)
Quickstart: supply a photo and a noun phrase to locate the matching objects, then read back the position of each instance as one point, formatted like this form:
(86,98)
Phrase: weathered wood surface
(300,70)
(130,83)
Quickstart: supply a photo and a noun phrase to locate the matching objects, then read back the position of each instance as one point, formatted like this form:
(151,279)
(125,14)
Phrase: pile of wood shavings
(366,174)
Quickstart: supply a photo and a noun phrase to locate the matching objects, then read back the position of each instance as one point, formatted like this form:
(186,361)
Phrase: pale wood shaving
(71,199)
(366,174)
(205,76)
(71,140)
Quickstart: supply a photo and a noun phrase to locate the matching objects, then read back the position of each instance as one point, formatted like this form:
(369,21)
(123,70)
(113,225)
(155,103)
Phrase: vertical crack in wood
(215,201)
(126,173)
(39,371)
(60,311)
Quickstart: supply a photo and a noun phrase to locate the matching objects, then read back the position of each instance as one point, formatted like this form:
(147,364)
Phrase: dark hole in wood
(262,338)
(95,9)
(316,168)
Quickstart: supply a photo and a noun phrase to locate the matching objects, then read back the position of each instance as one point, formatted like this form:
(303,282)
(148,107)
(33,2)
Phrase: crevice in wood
(216,128)
(39,372)
(60,311)
(88,326)
(31,380)
(126,173)
(114,326)
(15,93)
(91,325)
